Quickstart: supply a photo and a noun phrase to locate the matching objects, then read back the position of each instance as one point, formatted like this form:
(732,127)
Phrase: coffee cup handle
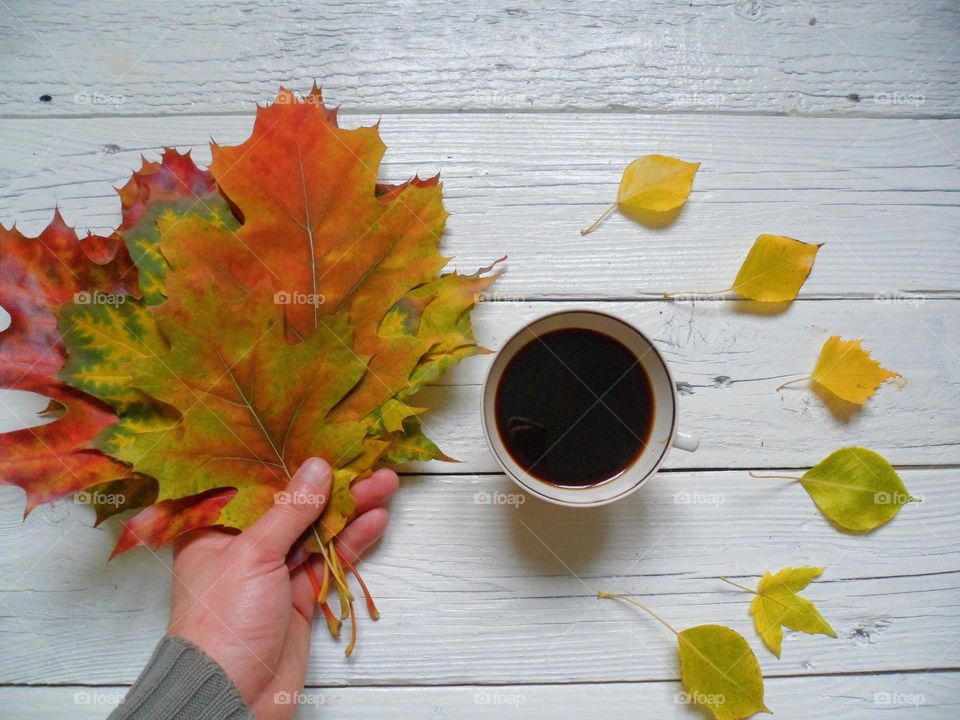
(686,441)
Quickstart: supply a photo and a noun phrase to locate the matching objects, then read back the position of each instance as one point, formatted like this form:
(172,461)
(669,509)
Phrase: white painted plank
(731,362)
(882,195)
(478,592)
(866,58)
(909,696)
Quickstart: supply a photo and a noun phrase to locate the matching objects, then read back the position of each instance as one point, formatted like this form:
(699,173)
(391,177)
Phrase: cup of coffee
(580,409)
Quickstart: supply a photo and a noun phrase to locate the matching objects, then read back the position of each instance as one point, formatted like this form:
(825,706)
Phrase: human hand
(235,598)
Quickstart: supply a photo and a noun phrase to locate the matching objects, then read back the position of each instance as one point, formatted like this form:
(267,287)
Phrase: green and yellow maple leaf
(288,306)
(305,285)
(777,605)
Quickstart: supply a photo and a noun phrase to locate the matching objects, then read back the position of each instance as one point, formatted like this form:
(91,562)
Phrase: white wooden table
(832,122)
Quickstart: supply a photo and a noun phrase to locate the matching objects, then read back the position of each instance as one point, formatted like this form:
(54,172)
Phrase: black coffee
(574,407)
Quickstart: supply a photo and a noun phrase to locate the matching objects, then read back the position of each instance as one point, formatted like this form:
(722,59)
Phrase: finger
(201,540)
(368,493)
(361,533)
(293,511)
(374,491)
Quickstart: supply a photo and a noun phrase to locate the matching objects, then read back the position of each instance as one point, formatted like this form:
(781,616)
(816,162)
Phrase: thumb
(294,510)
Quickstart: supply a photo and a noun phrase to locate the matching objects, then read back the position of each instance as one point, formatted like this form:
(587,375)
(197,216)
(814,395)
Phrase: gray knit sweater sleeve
(182,683)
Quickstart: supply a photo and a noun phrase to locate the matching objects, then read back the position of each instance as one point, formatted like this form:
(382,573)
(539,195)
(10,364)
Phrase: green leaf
(720,671)
(856,488)
(717,667)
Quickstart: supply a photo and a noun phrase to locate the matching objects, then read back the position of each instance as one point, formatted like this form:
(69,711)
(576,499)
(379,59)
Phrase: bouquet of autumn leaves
(282,305)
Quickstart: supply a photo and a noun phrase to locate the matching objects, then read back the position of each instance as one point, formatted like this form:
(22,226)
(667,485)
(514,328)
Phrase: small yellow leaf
(856,488)
(848,371)
(720,671)
(656,183)
(775,269)
(651,189)
(777,605)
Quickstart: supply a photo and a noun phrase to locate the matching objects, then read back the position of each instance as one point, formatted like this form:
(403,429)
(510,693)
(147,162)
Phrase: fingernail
(314,470)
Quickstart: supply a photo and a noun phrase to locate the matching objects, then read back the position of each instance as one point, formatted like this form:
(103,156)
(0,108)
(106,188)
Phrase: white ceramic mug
(664,432)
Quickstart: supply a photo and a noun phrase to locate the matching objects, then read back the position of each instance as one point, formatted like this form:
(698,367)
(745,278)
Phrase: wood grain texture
(478,586)
(898,695)
(892,58)
(881,195)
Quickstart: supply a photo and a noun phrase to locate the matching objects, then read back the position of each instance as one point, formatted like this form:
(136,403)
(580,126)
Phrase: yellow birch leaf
(656,183)
(856,488)
(848,371)
(775,269)
(651,189)
(777,605)
(720,671)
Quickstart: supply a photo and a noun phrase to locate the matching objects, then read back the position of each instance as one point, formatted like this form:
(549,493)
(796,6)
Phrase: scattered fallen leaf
(717,667)
(776,605)
(652,187)
(775,269)
(848,371)
(854,487)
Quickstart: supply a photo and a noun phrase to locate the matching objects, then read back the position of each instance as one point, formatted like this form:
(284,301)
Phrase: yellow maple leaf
(777,605)
(651,189)
(775,269)
(848,371)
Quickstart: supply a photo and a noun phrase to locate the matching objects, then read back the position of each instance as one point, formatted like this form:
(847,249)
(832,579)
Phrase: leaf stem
(681,294)
(332,561)
(325,583)
(371,606)
(314,581)
(791,382)
(751,473)
(739,586)
(606,214)
(333,624)
(615,596)
(336,571)
(353,632)
(751,590)
(346,598)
